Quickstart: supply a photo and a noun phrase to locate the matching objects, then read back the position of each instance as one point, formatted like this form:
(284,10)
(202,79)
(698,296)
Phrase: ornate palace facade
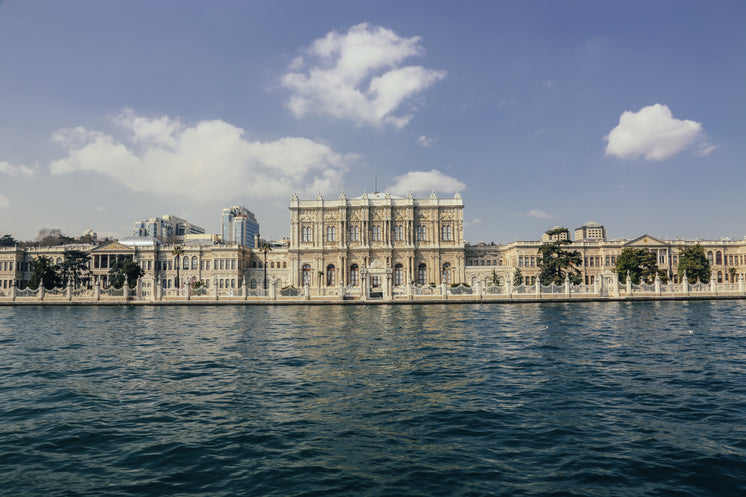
(369,246)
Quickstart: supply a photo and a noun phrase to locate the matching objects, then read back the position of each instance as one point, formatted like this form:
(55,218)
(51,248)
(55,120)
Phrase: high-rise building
(239,225)
(590,231)
(165,227)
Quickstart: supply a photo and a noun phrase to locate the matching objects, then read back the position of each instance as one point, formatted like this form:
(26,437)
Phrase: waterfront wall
(156,295)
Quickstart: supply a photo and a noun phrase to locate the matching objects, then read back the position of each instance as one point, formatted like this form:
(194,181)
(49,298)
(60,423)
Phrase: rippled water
(607,399)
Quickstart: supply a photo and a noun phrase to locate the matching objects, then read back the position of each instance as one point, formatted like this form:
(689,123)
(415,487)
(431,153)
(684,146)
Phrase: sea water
(586,399)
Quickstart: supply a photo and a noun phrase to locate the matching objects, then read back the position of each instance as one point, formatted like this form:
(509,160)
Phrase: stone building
(377,240)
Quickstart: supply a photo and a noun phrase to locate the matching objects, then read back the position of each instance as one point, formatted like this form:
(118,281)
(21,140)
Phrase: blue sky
(538,113)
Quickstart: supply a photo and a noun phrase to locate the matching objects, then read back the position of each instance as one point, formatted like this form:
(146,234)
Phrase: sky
(539,113)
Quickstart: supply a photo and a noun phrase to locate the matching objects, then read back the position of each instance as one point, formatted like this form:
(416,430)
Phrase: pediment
(645,241)
(113,246)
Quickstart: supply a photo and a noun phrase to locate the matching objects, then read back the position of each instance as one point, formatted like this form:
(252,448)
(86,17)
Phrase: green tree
(517,277)
(177,252)
(694,262)
(45,272)
(641,265)
(556,262)
(75,267)
(265,247)
(125,270)
(7,241)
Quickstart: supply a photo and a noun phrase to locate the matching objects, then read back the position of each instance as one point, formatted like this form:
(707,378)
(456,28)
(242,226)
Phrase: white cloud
(425,141)
(211,159)
(654,133)
(425,182)
(357,76)
(11,170)
(4,202)
(539,214)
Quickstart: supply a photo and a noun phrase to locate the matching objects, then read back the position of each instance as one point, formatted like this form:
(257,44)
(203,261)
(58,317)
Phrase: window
(375,281)
(520,261)
(306,275)
(354,275)
(398,275)
(252,284)
(194,262)
(720,275)
(398,233)
(305,234)
(421,274)
(331,234)
(330,275)
(446,234)
(375,233)
(709,257)
(354,234)
(447,273)
(718,258)
(421,234)
(185,264)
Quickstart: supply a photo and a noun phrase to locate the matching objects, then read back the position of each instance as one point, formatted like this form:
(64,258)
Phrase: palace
(372,246)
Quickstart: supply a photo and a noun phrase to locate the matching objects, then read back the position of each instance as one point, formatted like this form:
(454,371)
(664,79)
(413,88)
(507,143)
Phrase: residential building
(166,228)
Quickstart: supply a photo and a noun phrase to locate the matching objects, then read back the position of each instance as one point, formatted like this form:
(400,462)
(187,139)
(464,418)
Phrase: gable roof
(645,241)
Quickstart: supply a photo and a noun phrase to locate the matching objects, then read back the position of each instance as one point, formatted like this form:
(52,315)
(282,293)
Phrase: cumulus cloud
(425,182)
(425,141)
(11,170)
(655,134)
(358,76)
(4,202)
(210,159)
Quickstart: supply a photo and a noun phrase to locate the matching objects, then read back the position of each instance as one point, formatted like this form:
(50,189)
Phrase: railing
(401,292)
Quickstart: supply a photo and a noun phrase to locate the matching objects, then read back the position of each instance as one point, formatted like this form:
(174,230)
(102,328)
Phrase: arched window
(398,275)
(399,233)
(375,233)
(185,262)
(194,262)
(447,234)
(447,273)
(354,275)
(422,274)
(709,257)
(718,258)
(306,234)
(331,234)
(306,274)
(720,275)
(330,275)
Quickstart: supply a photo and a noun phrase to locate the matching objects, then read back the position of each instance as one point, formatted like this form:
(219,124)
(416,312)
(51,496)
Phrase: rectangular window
(446,234)
(354,234)
(331,234)
(421,234)
(520,261)
(375,234)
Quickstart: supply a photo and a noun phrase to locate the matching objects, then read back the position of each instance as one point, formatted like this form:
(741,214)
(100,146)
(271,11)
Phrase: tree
(641,265)
(556,262)
(495,278)
(125,270)
(45,272)
(7,241)
(265,247)
(694,262)
(517,277)
(177,252)
(75,267)
(52,237)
